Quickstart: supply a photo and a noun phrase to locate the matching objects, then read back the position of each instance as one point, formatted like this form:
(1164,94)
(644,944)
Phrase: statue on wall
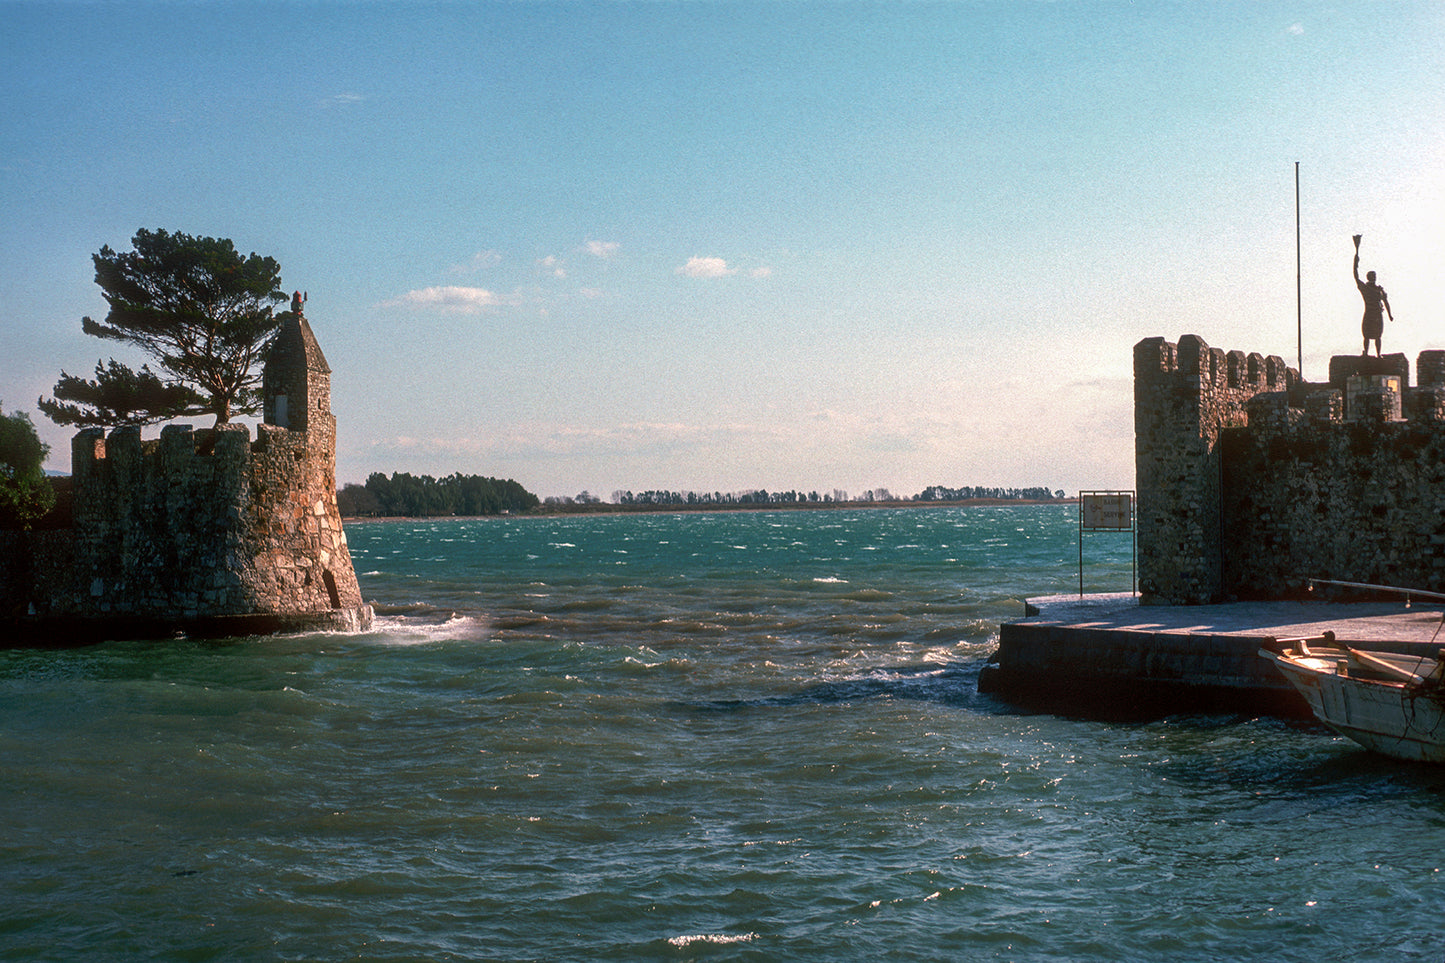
(1372,325)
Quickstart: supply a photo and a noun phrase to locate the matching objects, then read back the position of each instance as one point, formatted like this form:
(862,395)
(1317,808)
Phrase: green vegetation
(409,496)
(25,492)
(119,396)
(200,309)
(751,498)
(938,493)
(717,499)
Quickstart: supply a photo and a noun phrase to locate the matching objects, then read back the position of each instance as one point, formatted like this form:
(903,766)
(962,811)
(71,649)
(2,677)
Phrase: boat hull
(1388,717)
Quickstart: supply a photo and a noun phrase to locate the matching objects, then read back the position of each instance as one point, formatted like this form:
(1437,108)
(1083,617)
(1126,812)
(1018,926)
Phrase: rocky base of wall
(68,631)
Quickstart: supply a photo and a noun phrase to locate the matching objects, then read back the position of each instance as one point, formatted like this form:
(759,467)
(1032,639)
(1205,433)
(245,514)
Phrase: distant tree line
(748,497)
(408,496)
(938,493)
(934,493)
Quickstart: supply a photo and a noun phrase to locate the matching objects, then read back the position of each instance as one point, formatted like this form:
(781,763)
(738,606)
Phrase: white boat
(1392,704)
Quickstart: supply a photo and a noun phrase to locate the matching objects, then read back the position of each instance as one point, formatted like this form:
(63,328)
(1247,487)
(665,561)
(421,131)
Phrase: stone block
(1346,366)
(1430,369)
(1373,399)
(1325,406)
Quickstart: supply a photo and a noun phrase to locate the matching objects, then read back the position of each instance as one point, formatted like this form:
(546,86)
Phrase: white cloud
(602,249)
(761,272)
(478,261)
(1297,29)
(341,100)
(552,265)
(706,267)
(449,298)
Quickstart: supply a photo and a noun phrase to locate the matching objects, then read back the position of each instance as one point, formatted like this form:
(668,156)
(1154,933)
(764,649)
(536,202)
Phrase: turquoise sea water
(751,736)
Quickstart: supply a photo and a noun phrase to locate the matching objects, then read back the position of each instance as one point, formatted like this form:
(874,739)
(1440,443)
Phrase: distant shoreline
(609,508)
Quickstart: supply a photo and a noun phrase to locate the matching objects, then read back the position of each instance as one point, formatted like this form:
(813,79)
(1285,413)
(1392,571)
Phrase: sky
(725,246)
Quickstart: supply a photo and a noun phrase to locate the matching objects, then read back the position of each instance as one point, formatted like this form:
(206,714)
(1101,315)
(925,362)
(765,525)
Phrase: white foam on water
(397,630)
(719,939)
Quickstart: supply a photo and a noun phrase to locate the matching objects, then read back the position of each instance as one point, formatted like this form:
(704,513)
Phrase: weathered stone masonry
(1252,481)
(204,530)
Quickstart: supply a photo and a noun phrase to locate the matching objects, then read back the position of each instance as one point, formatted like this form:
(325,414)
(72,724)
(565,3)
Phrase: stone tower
(1185,395)
(296,380)
(201,531)
(305,565)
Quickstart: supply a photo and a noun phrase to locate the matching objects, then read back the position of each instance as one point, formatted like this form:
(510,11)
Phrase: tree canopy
(404,494)
(199,308)
(25,492)
(119,396)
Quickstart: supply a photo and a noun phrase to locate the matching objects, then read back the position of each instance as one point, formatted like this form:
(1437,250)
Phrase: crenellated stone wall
(200,530)
(1349,490)
(1251,481)
(1184,396)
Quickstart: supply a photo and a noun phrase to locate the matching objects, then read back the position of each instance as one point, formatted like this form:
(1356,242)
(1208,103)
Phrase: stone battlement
(1192,362)
(183,459)
(1252,481)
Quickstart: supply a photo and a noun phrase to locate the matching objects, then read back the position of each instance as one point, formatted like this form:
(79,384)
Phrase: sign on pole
(1107,511)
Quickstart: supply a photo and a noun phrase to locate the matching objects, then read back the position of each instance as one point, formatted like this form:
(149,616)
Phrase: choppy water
(730,736)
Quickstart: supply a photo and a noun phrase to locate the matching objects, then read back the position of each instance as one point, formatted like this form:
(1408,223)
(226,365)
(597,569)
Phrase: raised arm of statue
(1357,266)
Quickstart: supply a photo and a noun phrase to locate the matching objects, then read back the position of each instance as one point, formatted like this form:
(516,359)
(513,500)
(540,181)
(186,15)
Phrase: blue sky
(717,246)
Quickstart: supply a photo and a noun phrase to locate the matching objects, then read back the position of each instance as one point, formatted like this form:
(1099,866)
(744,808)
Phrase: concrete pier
(1108,655)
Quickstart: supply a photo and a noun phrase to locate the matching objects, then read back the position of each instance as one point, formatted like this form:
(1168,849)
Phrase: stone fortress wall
(203,530)
(1252,481)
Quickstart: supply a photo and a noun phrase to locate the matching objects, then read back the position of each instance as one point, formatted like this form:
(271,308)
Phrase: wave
(395,629)
(868,595)
(718,939)
(952,683)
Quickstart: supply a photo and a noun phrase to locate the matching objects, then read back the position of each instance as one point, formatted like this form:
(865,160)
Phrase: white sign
(1113,511)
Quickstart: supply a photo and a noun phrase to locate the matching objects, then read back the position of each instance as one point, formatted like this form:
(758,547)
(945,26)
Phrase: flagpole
(1299,307)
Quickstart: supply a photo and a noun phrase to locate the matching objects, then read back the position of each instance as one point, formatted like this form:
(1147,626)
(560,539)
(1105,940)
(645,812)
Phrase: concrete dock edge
(1108,655)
